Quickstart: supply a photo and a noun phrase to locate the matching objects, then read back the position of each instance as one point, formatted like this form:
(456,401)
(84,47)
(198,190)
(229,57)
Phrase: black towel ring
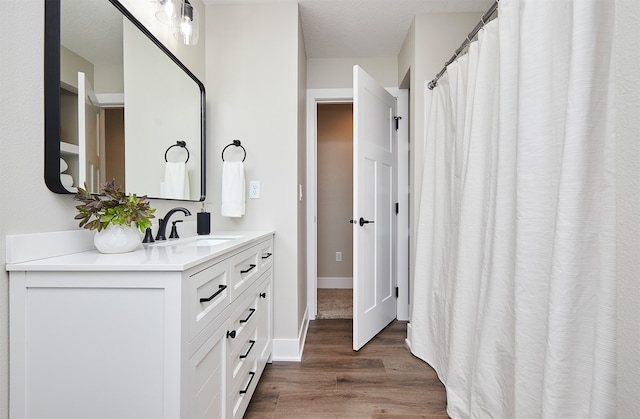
(178,143)
(237,144)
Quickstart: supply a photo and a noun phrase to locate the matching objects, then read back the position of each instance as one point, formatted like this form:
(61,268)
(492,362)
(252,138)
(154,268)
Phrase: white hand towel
(233,193)
(63,165)
(66,180)
(176,181)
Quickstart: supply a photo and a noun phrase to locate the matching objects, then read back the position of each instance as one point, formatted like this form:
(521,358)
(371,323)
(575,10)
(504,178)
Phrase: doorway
(334,182)
(315,98)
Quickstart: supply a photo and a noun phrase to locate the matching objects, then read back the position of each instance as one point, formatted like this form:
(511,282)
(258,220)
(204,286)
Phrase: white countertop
(170,255)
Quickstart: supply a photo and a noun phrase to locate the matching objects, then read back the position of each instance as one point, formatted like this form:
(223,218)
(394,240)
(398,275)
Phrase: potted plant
(118,218)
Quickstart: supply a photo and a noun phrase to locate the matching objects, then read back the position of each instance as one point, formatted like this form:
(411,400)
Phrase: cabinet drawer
(242,322)
(245,269)
(266,255)
(241,390)
(208,295)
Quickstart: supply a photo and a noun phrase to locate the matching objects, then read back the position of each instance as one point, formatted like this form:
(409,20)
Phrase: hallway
(382,380)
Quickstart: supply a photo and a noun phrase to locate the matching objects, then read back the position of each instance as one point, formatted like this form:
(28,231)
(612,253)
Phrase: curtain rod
(483,21)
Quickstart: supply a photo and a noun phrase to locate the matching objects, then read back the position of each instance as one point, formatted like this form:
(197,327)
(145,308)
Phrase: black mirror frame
(52,96)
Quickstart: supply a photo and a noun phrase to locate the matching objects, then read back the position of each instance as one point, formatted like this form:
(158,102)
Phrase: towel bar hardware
(252,310)
(267,256)
(251,266)
(215,294)
(231,334)
(246,389)
(178,143)
(252,342)
(236,143)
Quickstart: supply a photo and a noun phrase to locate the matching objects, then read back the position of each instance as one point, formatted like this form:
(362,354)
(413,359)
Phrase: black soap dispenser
(203,222)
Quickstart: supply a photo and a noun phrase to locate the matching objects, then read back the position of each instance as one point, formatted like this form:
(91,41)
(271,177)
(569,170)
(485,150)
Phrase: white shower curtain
(514,287)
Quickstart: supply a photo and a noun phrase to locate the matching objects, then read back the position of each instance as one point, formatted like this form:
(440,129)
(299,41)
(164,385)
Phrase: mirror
(119,105)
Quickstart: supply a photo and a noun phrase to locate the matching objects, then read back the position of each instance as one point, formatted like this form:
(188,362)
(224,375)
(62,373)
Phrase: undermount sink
(207,242)
(204,241)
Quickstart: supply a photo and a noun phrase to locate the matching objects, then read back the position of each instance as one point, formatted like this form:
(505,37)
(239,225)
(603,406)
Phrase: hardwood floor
(383,380)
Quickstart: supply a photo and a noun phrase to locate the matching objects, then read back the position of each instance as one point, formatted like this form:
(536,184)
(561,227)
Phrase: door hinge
(397,208)
(397,292)
(397,119)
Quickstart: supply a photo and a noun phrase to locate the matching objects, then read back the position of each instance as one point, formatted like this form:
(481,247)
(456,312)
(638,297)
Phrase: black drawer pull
(267,256)
(263,295)
(252,310)
(253,342)
(231,334)
(215,294)
(247,270)
(246,389)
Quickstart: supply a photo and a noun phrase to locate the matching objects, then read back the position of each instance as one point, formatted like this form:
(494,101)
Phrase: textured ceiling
(363,28)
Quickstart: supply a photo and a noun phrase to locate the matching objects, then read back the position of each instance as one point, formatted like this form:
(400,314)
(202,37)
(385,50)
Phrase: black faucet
(162,222)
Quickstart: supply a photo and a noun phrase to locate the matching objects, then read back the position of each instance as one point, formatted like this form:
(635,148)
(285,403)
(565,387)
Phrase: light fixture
(182,16)
(188,29)
(168,12)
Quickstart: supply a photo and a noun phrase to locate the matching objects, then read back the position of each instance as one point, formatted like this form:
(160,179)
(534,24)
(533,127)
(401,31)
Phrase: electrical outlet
(254,189)
(338,256)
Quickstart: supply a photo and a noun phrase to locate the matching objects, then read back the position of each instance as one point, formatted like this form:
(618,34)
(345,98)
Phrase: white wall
(253,79)
(335,189)
(335,73)
(302,179)
(26,205)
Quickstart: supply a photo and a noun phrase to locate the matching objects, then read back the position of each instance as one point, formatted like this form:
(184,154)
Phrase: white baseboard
(291,349)
(335,282)
(407,341)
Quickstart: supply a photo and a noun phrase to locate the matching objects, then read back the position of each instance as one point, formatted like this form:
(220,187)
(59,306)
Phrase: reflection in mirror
(116,104)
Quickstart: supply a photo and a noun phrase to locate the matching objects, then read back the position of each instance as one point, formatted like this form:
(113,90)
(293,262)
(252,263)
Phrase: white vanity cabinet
(180,336)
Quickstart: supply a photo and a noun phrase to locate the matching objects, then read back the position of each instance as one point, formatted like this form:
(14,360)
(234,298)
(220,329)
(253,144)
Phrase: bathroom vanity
(174,329)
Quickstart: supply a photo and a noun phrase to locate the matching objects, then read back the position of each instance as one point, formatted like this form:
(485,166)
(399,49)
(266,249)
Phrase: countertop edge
(158,257)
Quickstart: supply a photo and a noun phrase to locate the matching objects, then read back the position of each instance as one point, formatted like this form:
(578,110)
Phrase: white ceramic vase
(118,239)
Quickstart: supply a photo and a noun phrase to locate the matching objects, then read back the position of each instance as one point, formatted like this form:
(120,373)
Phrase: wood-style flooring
(383,380)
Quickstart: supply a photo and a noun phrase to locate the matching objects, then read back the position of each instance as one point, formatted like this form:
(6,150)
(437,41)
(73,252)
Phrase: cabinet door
(207,369)
(265,327)
(243,353)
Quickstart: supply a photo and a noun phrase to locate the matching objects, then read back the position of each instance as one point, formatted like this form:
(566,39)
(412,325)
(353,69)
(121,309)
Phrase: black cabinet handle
(267,256)
(263,295)
(247,270)
(231,334)
(215,294)
(252,310)
(246,389)
(253,342)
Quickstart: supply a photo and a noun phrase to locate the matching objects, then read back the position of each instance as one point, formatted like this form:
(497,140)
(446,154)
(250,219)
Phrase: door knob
(363,222)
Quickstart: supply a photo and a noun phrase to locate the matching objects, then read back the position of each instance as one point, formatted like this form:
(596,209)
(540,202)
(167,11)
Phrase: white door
(374,297)
(88,136)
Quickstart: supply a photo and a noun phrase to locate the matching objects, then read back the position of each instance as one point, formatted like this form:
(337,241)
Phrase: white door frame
(315,96)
